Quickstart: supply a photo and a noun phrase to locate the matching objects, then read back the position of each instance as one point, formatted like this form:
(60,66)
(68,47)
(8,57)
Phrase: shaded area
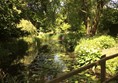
(10,54)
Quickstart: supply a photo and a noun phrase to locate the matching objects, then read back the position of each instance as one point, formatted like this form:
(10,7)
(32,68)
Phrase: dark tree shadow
(10,53)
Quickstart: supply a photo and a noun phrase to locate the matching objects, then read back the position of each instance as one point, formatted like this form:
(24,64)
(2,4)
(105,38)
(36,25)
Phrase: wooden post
(103,69)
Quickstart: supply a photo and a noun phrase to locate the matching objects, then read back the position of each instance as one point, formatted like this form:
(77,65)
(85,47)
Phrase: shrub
(105,42)
(112,66)
(89,49)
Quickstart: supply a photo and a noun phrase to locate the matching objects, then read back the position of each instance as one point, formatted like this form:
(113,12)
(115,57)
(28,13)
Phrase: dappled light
(58,41)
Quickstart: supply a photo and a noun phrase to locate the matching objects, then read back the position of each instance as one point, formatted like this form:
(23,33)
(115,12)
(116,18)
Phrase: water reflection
(59,62)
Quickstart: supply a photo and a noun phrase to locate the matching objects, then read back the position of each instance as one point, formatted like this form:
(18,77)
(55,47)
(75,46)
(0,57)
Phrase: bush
(105,42)
(89,49)
(112,66)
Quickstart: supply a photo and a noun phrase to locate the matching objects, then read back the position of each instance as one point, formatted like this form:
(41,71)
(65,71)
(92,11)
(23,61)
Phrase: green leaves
(9,17)
(89,50)
(108,19)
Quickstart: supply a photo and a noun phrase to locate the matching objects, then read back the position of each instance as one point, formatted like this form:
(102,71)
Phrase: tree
(41,13)
(89,12)
(12,48)
(109,19)
(9,18)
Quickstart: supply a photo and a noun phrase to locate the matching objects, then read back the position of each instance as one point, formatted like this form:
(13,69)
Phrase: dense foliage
(109,23)
(53,37)
(89,50)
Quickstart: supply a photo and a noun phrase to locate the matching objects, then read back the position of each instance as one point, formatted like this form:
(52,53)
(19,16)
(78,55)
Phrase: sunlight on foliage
(89,50)
(19,11)
(27,26)
(112,66)
(82,29)
(61,24)
(65,26)
(31,51)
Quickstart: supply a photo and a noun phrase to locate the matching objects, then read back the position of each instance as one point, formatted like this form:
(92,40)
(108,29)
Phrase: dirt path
(110,51)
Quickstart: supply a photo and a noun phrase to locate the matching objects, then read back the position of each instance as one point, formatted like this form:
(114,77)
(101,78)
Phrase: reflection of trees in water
(45,67)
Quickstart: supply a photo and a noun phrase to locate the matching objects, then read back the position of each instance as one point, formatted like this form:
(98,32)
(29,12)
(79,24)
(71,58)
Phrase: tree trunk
(86,17)
(100,4)
(88,27)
